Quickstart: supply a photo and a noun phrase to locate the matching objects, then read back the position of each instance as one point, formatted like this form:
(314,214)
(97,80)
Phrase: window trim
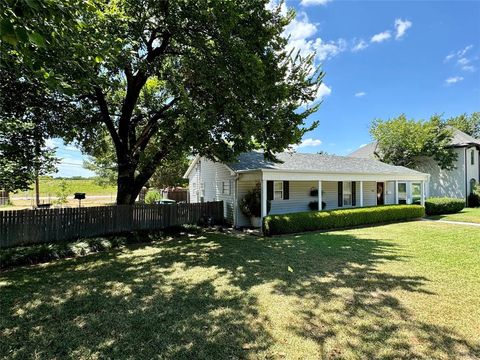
(275,190)
(412,185)
(347,193)
(398,191)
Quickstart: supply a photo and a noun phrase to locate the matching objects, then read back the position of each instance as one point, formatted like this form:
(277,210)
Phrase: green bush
(439,206)
(474,197)
(152,196)
(335,219)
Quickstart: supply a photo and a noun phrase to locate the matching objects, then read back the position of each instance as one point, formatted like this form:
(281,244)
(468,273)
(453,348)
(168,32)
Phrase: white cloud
(300,28)
(300,32)
(323,90)
(310,142)
(463,61)
(449,57)
(401,26)
(359,45)
(314,2)
(381,37)
(360,94)
(470,68)
(462,52)
(453,79)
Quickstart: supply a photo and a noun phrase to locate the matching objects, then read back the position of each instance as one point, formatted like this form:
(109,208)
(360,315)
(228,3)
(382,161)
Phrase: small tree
(403,142)
(62,193)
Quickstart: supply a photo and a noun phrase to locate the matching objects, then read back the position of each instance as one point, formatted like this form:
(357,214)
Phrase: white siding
(212,175)
(369,193)
(445,183)
(298,200)
(472,170)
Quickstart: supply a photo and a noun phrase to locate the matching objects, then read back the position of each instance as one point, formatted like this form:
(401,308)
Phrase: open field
(49,188)
(401,291)
(466,215)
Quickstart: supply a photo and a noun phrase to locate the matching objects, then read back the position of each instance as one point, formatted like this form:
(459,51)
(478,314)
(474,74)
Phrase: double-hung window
(402,193)
(347,193)
(416,193)
(278,190)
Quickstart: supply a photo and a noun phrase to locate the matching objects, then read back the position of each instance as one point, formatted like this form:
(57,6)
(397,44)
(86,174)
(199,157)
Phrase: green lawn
(466,215)
(402,291)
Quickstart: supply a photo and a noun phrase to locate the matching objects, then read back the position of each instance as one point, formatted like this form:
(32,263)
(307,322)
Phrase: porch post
(422,201)
(361,193)
(264,199)
(319,195)
(396,191)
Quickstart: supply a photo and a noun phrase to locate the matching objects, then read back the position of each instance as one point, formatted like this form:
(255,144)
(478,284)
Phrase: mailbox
(79,196)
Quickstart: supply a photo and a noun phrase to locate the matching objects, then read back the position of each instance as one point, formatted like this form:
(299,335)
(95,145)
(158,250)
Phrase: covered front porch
(286,192)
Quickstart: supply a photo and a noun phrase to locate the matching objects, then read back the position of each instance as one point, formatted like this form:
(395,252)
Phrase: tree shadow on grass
(192,297)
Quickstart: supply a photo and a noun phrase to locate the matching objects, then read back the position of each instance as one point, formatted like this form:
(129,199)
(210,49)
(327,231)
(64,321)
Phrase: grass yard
(402,291)
(466,215)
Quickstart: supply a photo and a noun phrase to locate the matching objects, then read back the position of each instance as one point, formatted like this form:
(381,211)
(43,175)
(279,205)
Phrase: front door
(380,192)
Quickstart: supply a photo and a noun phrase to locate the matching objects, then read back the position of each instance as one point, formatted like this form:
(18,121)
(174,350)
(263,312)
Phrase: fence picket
(21,227)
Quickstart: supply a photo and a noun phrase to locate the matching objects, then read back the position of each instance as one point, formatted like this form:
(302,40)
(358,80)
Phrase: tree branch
(150,128)
(107,119)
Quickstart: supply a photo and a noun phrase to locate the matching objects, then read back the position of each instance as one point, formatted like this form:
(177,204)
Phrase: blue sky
(381,59)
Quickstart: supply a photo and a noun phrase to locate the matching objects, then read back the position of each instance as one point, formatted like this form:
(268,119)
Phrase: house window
(472,157)
(227,187)
(202,191)
(473,183)
(402,193)
(278,190)
(347,193)
(416,193)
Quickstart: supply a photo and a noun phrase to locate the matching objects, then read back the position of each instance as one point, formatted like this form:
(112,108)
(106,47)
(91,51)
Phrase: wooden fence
(21,227)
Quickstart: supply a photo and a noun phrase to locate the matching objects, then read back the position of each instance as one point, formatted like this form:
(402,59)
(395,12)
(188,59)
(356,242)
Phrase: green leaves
(36,39)
(404,142)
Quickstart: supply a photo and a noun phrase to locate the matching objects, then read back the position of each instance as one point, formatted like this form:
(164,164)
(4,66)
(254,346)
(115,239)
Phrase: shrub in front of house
(474,197)
(313,205)
(336,219)
(439,206)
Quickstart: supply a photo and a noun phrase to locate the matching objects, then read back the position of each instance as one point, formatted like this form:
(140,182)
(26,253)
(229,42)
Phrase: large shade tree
(161,77)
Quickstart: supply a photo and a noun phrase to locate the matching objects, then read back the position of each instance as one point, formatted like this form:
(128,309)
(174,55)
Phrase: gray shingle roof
(459,139)
(317,162)
(462,139)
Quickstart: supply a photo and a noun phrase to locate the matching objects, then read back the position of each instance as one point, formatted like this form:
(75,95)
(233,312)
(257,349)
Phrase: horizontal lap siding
(298,200)
(369,193)
(213,174)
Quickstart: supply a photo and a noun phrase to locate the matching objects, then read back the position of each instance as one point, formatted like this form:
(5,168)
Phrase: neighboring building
(456,183)
(290,185)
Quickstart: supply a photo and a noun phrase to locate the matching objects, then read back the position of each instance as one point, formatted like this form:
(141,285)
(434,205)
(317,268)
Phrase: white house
(456,183)
(290,185)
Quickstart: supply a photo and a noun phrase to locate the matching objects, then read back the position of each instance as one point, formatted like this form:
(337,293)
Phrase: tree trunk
(128,186)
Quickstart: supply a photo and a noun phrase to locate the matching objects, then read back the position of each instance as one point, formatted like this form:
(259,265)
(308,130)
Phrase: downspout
(466,176)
